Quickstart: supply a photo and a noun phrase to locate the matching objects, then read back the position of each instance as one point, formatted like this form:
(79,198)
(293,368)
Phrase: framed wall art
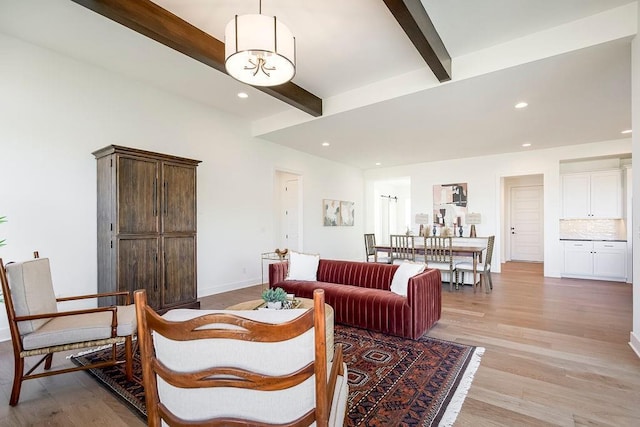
(346,213)
(331,212)
(449,203)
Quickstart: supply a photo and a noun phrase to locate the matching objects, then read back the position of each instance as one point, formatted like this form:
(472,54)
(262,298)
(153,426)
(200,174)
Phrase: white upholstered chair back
(32,292)
(219,365)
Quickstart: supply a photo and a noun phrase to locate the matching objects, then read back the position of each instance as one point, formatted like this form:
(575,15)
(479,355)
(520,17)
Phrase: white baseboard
(634,342)
(212,290)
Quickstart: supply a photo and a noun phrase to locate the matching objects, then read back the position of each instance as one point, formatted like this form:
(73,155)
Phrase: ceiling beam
(415,22)
(151,20)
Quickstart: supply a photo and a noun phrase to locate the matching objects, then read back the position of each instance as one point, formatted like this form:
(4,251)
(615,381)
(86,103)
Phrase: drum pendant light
(259,50)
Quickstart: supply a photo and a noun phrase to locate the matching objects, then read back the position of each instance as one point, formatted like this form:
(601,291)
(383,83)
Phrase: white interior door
(290,214)
(527,224)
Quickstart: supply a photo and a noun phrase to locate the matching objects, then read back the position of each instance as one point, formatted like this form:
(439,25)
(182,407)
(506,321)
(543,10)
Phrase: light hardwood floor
(557,353)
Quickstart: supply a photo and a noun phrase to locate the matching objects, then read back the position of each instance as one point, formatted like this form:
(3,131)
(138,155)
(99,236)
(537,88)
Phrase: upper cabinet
(592,195)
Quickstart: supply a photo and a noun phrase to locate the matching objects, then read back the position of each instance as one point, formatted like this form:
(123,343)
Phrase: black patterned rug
(392,381)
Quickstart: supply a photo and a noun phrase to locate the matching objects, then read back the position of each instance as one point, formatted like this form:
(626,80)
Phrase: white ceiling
(346,47)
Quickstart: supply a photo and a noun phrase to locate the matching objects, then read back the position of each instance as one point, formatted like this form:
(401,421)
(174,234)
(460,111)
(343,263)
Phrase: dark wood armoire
(147,225)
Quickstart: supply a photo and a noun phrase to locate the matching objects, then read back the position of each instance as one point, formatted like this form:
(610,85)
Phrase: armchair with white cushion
(229,367)
(39,327)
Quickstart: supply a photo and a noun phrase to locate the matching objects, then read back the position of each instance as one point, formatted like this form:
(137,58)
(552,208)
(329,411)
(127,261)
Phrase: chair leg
(128,348)
(48,360)
(17,380)
(488,274)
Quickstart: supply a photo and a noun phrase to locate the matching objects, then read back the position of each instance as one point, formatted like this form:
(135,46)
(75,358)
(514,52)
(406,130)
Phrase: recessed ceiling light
(378,163)
(242,95)
(521,105)
(325,144)
(626,131)
(526,144)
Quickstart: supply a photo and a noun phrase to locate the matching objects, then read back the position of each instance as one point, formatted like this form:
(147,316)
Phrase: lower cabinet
(164,266)
(595,260)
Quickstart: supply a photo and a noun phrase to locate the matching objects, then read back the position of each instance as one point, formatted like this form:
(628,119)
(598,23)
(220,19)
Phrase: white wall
(635,120)
(55,111)
(483,176)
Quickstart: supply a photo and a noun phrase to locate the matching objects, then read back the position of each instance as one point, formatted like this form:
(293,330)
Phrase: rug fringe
(454,407)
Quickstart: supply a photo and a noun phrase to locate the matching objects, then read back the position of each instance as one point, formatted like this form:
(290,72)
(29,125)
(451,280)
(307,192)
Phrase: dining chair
(402,248)
(240,368)
(370,250)
(438,254)
(484,271)
(39,328)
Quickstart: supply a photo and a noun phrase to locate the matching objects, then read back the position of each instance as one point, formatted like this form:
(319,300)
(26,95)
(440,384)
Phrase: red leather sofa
(360,295)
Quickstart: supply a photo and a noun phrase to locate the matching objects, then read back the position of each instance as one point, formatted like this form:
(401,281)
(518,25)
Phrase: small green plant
(274,295)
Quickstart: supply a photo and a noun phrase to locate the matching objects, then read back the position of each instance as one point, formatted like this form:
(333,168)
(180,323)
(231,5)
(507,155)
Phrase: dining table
(457,249)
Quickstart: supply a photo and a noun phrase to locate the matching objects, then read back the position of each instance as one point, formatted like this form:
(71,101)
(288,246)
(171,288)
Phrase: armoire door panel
(179,259)
(138,195)
(139,267)
(178,198)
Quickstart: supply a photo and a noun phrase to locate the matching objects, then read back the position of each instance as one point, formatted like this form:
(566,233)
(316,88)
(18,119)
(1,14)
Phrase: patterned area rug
(392,381)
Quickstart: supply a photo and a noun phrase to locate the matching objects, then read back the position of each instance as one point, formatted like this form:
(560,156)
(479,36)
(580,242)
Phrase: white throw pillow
(303,266)
(405,271)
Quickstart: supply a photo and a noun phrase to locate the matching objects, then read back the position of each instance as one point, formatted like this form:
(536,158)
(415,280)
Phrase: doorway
(524,218)
(392,207)
(288,211)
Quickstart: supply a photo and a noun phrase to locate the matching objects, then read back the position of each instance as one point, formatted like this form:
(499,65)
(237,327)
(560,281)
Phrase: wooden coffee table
(304,303)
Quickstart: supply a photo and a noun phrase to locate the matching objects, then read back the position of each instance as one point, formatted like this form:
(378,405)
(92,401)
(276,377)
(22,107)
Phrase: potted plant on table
(274,297)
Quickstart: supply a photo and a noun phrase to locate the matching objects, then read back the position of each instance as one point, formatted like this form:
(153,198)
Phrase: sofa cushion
(303,266)
(405,271)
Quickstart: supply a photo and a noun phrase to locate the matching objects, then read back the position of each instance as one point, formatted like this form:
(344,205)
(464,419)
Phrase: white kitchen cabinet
(578,258)
(592,195)
(595,260)
(610,260)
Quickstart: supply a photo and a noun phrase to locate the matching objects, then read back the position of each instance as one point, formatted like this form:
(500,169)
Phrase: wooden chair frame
(19,353)
(250,330)
(439,249)
(369,246)
(485,272)
(402,247)
(370,249)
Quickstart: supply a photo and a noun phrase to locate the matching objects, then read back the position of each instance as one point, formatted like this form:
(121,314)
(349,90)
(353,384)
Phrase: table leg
(475,266)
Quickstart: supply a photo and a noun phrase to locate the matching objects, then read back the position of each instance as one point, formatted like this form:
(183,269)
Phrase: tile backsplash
(606,229)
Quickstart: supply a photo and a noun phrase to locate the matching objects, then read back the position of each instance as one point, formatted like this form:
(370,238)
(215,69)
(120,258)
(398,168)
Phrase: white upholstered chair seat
(438,265)
(81,327)
(468,266)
